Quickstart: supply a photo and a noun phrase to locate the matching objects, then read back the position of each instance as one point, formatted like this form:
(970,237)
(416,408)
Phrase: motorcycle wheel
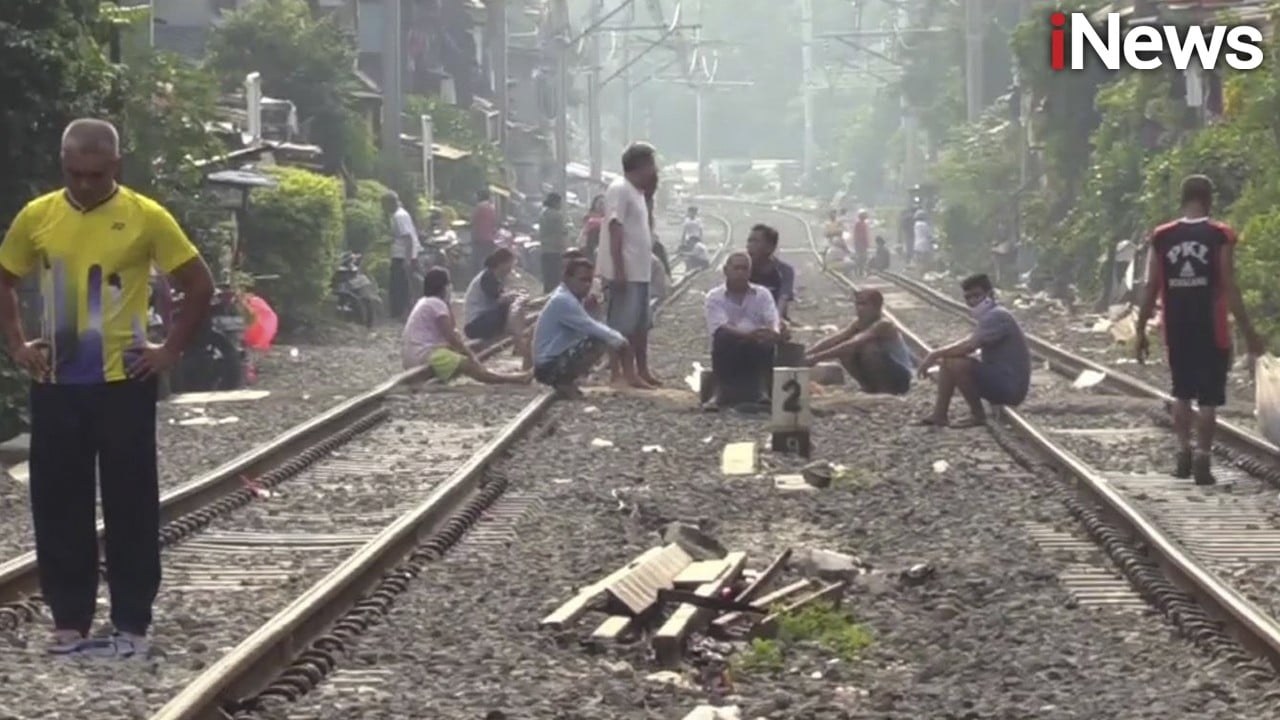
(210,365)
(353,308)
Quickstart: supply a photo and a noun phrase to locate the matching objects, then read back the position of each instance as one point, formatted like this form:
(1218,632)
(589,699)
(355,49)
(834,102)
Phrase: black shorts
(489,325)
(1199,371)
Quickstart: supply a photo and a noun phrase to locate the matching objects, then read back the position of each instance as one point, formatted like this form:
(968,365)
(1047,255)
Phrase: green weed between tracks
(824,625)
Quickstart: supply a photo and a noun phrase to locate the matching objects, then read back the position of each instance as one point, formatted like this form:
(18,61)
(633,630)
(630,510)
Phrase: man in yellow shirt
(93,395)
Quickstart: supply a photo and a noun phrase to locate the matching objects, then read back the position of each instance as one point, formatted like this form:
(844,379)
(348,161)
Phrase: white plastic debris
(694,379)
(601,443)
(562,481)
(294,355)
(206,420)
(652,449)
(590,410)
(666,677)
(941,466)
(1088,378)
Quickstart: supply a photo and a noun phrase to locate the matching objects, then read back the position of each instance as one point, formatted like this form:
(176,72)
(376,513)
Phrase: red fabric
(262,331)
(484,223)
(861,236)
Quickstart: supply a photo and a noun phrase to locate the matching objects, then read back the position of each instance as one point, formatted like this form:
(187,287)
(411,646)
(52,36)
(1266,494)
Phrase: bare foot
(969,422)
(649,378)
(930,421)
(638,383)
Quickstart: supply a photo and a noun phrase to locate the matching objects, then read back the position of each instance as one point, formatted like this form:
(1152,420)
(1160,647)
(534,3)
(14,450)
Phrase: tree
(48,60)
(303,59)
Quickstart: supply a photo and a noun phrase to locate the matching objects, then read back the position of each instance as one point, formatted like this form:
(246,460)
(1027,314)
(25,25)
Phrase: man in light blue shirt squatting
(567,342)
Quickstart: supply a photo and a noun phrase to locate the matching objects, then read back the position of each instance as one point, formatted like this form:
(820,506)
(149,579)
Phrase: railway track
(264,553)
(1206,557)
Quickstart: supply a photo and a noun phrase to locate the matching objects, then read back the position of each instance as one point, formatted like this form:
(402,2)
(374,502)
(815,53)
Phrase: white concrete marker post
(791,417)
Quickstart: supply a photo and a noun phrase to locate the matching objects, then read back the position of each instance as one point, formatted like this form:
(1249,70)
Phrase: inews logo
(1147,47)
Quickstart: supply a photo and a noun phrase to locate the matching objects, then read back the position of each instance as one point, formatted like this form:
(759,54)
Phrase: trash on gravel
(739,458)
(653,449)
(20,473)
(670,596)
(666,677)
(205,398)
(590,410)
(917,574)
(827,564)
(818,473)
(1088,378)
(711,712)
(699,545)
(601,443)
(941,466)
(208,420)
(694,379)
(792,483)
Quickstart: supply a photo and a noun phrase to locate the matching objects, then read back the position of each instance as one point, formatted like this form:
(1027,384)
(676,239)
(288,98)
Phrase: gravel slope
(993,634)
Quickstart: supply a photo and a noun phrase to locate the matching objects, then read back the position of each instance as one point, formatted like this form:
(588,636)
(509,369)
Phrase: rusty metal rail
(1253,628)
(256,662)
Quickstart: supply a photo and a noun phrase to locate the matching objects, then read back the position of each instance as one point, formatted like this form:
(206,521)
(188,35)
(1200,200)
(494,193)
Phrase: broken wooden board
(613,627)
(668,643)
(636,590)
(739,458)
(700,573)
(201,398)
(581,602)
(764,602)
(768,627)
(762,580)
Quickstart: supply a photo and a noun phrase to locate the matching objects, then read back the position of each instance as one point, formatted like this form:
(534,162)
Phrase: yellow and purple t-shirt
(95,265)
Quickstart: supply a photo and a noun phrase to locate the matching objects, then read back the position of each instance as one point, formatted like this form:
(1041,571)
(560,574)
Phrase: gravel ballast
(990,633)
(248,565)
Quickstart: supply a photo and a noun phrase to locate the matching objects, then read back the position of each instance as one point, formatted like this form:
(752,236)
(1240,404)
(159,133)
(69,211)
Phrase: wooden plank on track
(581,602)
(764,602)
(612,628)
(668,643)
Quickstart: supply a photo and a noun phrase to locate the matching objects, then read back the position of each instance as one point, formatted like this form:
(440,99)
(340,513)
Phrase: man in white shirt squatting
(568,342)
(625,263)
(743,322)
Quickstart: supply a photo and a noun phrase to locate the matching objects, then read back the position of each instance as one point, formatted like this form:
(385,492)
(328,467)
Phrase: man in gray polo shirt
(999,374)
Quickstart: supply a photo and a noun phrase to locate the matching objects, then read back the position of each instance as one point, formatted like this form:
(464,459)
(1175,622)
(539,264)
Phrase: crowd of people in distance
(600,296)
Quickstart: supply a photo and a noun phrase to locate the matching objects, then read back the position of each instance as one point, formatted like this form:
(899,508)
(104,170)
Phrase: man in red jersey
(1191,268)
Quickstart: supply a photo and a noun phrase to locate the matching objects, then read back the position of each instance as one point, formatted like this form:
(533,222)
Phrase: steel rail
(1246,622)
(253,664)
(1064,360)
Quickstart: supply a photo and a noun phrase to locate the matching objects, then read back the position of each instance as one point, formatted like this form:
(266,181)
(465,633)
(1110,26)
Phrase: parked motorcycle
(355,292)
(215,360)
(520,240)
(442,249)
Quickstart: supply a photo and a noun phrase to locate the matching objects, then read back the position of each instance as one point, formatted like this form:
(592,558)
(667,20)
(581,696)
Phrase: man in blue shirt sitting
(567,341)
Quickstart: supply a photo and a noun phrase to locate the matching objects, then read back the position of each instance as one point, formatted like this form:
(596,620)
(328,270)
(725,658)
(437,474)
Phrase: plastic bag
(1267,384)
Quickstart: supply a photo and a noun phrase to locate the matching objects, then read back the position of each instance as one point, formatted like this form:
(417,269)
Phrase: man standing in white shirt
(404,252)
(923,245)
(624,263)
(744,325)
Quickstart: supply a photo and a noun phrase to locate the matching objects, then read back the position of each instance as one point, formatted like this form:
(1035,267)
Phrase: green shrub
(295,231)
(368,232)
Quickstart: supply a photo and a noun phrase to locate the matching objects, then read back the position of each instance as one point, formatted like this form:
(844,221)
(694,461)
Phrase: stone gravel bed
(991,633)
(247,566)
(303,378)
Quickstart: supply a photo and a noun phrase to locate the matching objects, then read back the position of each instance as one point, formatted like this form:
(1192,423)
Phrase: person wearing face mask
(567,341)
(999,374)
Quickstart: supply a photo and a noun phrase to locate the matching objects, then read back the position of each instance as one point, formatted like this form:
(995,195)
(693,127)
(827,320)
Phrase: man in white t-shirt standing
(624,263)
(923,242)
(404,251)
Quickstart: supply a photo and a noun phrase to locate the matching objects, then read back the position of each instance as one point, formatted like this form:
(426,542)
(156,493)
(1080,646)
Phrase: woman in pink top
(431,338)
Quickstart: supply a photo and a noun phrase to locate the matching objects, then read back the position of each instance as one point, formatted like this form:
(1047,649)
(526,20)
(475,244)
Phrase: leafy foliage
(301,58)
(451,125)
(295,231)
(368,229)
